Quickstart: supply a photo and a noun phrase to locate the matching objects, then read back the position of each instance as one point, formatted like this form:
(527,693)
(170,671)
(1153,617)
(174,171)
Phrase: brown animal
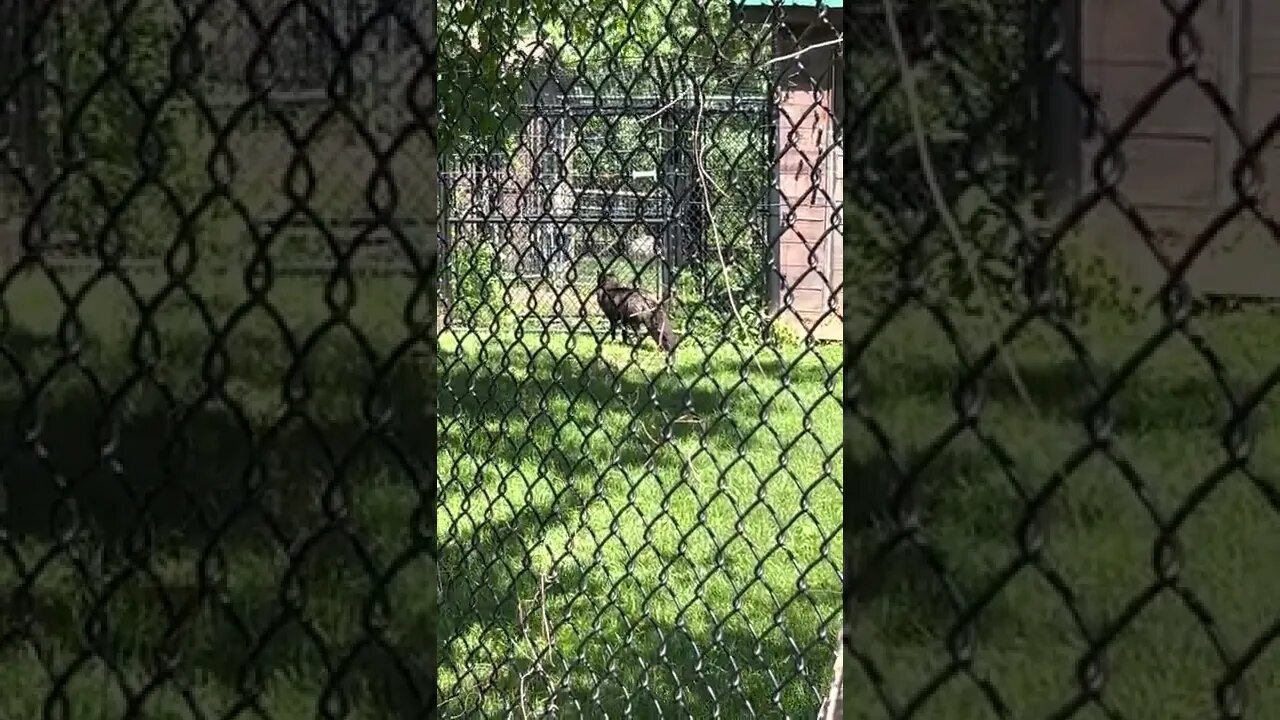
(631,309)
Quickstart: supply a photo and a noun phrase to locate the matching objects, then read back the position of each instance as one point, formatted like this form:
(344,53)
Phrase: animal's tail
(660,330)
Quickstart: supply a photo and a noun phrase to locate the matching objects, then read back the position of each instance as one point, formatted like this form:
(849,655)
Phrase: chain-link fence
(221,369)
(1060,360)
(603,171)
(640,477)
(214,397)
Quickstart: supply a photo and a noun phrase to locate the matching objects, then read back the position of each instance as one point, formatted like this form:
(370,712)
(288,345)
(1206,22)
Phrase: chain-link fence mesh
(1060,360)
(216,324)
(219,380)
(631,527)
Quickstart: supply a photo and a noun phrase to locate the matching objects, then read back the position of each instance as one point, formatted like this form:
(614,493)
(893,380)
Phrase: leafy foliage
(477,292)
(676,51)
(491,52)
(119,119)
(976,81)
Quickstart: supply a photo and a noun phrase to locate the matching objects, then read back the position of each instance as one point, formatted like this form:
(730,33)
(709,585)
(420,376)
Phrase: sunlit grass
(679,528)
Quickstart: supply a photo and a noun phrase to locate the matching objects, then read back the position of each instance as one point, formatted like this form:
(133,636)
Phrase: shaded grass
(1100,590)
(173,514)
(677,527)
(693,561)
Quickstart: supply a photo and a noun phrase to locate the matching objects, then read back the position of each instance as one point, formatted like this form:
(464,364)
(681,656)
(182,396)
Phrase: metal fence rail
(1058,405)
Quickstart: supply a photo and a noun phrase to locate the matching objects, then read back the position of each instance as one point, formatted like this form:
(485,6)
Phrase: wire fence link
(1060,360)
(217,309)
(640,476)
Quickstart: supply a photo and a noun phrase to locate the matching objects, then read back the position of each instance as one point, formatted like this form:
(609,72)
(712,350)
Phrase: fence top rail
(349,222)
(647,104)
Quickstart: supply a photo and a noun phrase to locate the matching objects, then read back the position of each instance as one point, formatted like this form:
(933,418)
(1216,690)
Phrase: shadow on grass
(965,525)
(623,664)
(883,564)
(648,667)
(963,503)
(247,499)
(1062,389)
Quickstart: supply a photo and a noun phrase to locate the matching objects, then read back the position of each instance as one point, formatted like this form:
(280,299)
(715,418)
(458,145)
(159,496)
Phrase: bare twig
(538,668)
(939,200)
(547,641)
(708,183)
(523,689)
(801,51)
(681,96)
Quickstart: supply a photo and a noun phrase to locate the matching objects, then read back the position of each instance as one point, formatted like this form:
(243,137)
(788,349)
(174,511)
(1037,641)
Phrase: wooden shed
(806,232)
(1176,166)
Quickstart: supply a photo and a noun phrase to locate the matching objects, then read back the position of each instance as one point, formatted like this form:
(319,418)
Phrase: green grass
(619,539)
(1159,655)
(691,575)
(206,499)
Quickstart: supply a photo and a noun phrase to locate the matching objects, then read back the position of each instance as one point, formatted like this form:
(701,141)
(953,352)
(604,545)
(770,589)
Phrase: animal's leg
(636,339)
(642,330)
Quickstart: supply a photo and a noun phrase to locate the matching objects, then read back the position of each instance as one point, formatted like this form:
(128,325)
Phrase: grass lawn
(251,550)
(1166,641)
(619,539)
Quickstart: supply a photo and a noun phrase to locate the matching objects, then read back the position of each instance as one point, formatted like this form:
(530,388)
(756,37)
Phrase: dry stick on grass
(540,601)
(833,707)
(546,637)
(523,690)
